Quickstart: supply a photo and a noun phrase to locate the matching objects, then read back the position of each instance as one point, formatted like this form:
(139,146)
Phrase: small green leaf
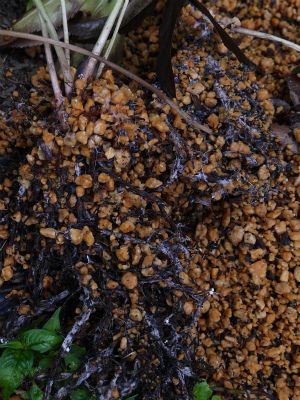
(35,393)
(81,394)
(132,397)
(46,362)
(41,340)
(10,379)
(21,360)
(73,359)
(202,391)
(13,344)
(53,324)
(216,398)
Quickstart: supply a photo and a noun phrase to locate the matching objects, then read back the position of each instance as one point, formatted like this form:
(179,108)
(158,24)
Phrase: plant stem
(89,69)
(60,53)
(159,93)
(113,39)
(51,68)
(66,29)
(267,36)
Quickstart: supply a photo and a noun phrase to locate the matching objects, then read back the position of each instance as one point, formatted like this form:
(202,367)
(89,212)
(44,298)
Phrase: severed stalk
(267,36)
(59,100)
(68,79)
(66,29)
(89,69)
(159,93)
(113,39)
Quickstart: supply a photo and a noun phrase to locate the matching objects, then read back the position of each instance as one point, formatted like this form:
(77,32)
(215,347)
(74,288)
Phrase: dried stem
(89,69)
(113,39)
(60,53)
(160,94)
(267,36)
(51,68)
(66,29)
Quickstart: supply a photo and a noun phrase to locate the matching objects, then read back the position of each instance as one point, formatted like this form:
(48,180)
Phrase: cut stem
(51,67)
(60,53)
(159,93)
(66,29)
(89,69)
(267,36)
(113,39)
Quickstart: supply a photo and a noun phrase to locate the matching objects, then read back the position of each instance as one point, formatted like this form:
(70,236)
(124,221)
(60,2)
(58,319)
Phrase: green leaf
(20,360)
(216,398)
(35,393)
(132,397)
(29,5)
(10,379)
(46,362)
(13,344)
(202,391)
(73,359)
(53,324)
(81,394)
(41,340)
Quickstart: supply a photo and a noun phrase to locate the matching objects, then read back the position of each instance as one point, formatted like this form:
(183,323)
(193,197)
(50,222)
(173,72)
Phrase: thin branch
(113,39)
(267,36)
(66,29)
(185,116)
(89,69)
(60,53)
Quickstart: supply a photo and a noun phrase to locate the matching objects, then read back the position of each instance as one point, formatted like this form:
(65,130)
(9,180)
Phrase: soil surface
(179,250)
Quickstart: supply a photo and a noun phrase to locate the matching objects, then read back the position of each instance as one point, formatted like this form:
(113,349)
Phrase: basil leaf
(21,360)
(41,340)
(53,324)
(13,344)
(73,359)
(10,379)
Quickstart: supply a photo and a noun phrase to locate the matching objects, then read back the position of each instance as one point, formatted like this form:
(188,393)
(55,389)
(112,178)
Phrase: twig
(66,29)
(189,120)
(89,69)
(267,36)
(113,39)
(60,53)
(53,75)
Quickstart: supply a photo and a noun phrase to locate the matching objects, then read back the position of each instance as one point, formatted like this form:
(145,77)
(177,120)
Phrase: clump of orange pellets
(188,243)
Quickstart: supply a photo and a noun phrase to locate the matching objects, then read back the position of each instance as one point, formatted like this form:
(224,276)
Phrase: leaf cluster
(31,354)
